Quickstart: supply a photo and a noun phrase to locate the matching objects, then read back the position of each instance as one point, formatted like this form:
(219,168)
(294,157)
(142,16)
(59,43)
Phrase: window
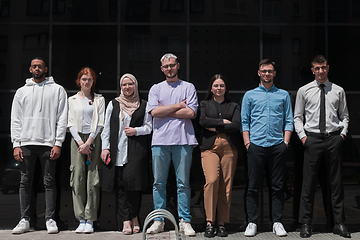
(33,42)
(170,44)
(296,46)
(196,6)
(59,6)
(2,72)
(38,7)
(271,8)
(139,47)
(3,43)
(297,8)
(172,5)
(356,9)
(113,8)
(5,8)
(235,6)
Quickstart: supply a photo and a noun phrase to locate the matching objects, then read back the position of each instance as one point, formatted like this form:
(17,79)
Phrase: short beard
(39,76)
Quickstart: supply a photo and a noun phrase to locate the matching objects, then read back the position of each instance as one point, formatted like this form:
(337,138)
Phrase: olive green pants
(85,180)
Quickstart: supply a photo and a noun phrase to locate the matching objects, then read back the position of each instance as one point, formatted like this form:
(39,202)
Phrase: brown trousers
(219,165)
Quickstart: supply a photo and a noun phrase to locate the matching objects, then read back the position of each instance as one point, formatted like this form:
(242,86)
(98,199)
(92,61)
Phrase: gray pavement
(9,217)
(114,235)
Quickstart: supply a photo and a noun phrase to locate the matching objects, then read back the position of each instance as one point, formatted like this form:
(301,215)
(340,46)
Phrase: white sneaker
(251,230)
(279,229)
(81,227)
(51,226)
(156,227)
(22,227)
(186,228)
(89,227)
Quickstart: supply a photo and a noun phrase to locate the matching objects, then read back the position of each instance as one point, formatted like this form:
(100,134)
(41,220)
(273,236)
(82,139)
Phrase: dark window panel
(5,9)
(76,47)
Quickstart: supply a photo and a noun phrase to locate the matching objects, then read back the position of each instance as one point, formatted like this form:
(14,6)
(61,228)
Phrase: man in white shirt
(321,121)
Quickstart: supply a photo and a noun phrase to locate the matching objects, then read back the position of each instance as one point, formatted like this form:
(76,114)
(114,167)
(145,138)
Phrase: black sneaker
(209,231)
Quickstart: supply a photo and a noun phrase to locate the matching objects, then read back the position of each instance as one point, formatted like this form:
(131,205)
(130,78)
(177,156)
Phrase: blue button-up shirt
(266,114)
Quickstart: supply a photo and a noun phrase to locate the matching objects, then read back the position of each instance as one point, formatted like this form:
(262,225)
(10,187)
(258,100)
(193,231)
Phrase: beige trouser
(219,165)
(85,180)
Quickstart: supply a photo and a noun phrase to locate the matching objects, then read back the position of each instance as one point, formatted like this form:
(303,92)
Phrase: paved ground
(113,235)
(106,228)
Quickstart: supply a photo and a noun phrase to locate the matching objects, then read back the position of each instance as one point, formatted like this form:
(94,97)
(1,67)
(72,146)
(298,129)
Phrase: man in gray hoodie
(38,128)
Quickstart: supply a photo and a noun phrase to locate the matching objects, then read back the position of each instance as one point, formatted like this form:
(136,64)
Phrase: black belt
(323,135)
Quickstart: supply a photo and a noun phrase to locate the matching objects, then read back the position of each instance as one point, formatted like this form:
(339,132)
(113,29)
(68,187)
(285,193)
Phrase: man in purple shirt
(172,103)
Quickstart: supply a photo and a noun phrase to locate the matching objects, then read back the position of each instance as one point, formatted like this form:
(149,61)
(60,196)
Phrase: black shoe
(305,231)
(221,232)
(209,231)
(341,230)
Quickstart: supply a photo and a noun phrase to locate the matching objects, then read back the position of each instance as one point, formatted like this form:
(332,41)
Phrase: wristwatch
(287,143)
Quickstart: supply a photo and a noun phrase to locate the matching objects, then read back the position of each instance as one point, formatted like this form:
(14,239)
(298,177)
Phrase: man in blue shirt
(267,124)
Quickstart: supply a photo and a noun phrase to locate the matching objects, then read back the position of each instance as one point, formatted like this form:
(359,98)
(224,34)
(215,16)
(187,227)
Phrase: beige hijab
(128,104)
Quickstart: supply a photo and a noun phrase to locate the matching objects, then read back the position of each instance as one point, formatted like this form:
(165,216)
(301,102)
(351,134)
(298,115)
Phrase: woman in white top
(85,121)
(126,152)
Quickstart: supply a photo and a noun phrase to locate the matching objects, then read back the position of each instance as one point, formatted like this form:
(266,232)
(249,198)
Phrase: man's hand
(55,152)
(303,140)
(342,136)
(182,104)
(130,131)
(18,154)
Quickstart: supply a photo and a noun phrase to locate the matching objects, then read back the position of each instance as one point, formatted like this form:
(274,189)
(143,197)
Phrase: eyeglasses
(169,65)
(317,69)
(269,71)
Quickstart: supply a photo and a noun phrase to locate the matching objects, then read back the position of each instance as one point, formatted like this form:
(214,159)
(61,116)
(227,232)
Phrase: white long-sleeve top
(121,156)
(39,114)
(76,116)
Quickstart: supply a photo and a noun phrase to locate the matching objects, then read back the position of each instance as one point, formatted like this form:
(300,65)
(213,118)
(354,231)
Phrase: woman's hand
(85,148)
(129,131)
(211,129)
(104,155)
(225,121)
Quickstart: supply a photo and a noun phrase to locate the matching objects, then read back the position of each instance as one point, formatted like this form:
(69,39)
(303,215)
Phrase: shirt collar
(270,89)
(326,83)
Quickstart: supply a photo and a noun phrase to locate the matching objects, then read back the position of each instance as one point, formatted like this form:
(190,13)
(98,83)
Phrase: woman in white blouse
(126,152)
(85,122)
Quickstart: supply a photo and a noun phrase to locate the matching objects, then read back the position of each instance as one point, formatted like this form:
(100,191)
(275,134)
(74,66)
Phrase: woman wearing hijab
(85,120)
(126,152)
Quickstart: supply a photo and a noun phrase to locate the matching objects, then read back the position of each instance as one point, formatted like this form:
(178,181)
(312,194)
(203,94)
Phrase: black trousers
(330,149)
(127,202)
(273,158)
(31,154)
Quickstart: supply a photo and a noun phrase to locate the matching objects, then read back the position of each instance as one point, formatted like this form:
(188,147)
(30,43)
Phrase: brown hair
(212,80)
(318,59)
(267,61)
(85,71)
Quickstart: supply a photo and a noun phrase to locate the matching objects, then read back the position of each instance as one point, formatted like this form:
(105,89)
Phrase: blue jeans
(181,156)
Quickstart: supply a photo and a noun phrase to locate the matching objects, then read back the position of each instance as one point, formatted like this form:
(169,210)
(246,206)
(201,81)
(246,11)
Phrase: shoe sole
(17,233)
(154,232)
(249,235)
(190,235)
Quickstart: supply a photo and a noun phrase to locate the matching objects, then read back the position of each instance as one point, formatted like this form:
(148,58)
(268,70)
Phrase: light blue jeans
(181,155)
